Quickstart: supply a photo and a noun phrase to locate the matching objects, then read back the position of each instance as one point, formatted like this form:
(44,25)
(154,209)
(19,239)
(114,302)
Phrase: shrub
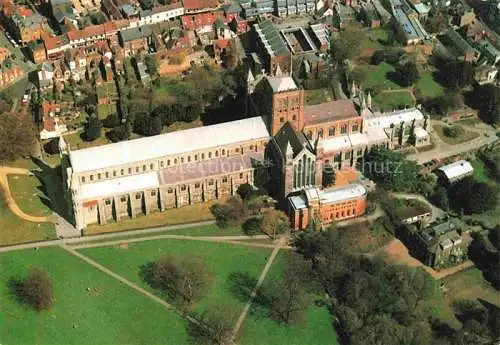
(453,131)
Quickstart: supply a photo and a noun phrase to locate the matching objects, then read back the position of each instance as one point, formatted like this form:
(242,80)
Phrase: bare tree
(275,222)
(17,136)
(289,297)
(36,290)
(185,279)
(213,327)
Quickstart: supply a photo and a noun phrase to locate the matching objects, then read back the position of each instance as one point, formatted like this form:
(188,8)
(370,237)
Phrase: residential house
(456,171)
(136,40)
(142,71)
(45,75)
(198,6)
(459,45)
(489,51)
(26,26)
(371,17)
(9,73)
(55,46)
(159,14)
(439,245)
(51,126)
(485,74)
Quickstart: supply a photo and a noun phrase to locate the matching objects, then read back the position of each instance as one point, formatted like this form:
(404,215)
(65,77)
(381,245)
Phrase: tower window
(282,119)
(83,178)
(106,174)
(294,117)
(137,196)
(99,176)
(151,166)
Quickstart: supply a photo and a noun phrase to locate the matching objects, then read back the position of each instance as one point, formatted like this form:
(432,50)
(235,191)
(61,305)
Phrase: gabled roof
(287,137)
(330,111)
(280,84)
(457,169)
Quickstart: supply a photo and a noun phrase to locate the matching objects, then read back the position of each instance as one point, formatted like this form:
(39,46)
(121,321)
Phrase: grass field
(90,307)
(393,100)
(480,171)
(467,136)
(317,96)
(468,284)
(427,87)
(315,329)
(377,77)
(222,259)
(29,195)
(375,38)
(186,214)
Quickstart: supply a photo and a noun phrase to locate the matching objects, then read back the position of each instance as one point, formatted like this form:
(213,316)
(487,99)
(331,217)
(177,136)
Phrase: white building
(456,171)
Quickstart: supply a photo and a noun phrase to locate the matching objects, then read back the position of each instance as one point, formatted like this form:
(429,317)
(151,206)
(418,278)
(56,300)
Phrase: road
(487,135)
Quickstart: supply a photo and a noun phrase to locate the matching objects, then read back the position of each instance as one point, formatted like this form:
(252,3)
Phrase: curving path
(11,203)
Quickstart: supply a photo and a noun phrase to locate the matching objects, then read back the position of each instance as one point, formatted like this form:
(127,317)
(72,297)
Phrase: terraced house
(291,142)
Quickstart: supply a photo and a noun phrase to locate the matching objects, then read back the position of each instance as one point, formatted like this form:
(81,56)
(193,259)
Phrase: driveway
(436,211)
(487,135)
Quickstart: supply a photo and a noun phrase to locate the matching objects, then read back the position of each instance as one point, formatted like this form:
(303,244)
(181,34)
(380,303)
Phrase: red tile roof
(51,42)
(200,4)
(193,22)
(331,111)
(221,44)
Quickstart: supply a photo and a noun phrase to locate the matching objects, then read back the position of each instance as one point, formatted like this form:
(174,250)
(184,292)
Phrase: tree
(52,147)
(407,74)
(456,74)
(111,121)
(148,125)
(347,45)
(453,131)
(472,196)
(437,22)
(440,198)
(245,191)
(92,129)
(489,100)
(275,222)
(151,64)
(120,132)
(288,300)
(229,214)
(186,279)
(391,170)
(252,226)
(308,244)
(213,327)
(17,136)
(36,290)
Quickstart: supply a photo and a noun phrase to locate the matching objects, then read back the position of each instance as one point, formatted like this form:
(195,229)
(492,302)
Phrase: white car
(26,98)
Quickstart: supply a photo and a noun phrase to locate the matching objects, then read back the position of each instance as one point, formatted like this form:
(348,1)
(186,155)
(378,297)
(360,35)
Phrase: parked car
(26,98)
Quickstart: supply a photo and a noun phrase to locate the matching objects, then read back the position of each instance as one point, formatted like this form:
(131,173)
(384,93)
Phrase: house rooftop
(271,38)
(457,169)
(136,33)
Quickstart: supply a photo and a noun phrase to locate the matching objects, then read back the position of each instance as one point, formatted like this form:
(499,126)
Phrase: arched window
(309,135)
(331,131)
(223,152)
(320,133)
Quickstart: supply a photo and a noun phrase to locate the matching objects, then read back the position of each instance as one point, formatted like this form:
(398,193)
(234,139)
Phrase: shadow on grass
(15,288)
(242,285)
(146,275)
(52,187)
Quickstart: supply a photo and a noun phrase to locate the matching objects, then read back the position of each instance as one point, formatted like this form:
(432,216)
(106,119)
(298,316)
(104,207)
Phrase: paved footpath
(263,275)
(126,282)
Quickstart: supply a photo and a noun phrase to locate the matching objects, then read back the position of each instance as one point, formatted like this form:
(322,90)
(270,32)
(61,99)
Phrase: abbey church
(294,142)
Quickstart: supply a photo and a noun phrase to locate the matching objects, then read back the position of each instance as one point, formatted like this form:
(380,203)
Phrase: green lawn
(376,77)
(90,307)
(480,171)
(222,259)
(467,136)
(375,38)
(427,87)
(315,329)
(29,195)
(14,230)
(392,100)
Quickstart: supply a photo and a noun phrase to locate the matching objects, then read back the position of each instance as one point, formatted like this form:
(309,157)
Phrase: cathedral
(295,144)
